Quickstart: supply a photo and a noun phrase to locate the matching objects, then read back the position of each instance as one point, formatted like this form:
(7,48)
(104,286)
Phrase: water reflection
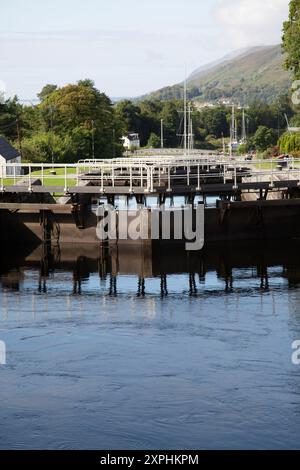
(150,347)
(231,264)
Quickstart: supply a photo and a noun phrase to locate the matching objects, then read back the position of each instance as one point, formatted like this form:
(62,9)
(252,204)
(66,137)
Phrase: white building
(8,156)
(131,141)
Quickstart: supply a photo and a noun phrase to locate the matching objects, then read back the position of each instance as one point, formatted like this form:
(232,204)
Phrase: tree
(83,114)
(150,119)
(87,82)
(46,91)
(171,123)
(39,148)
(10,118)
(243,149)
(154,141)
(291,39)
(289,142)
(214,121)
(129,116)
(264,138)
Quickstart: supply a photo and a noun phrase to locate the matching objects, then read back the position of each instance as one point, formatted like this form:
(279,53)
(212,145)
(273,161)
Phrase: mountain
(243,76)
(227,58)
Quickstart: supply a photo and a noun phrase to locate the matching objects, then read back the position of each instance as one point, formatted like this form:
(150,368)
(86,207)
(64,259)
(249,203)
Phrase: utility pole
(93,139)
(190,129)
(114,140)
(19,136)
(185,116)
(162,133)
(52,149)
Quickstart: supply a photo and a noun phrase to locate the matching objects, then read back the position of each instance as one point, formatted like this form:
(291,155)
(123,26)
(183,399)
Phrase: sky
(128,47)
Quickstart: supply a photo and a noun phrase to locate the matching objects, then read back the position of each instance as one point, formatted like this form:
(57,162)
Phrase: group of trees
(145,118)
(264,122)
(77,121)
(69,123)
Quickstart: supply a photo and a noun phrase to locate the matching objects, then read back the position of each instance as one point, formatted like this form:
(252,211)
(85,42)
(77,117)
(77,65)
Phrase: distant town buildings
(199,105)
(131,141)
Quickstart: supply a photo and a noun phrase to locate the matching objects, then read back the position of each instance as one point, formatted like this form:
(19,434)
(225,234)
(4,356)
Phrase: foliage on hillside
(255,76)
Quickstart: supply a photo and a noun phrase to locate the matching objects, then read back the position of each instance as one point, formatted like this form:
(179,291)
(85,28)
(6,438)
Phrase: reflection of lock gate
(2,353)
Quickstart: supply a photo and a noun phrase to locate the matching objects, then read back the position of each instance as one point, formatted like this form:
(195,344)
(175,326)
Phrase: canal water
(150,348)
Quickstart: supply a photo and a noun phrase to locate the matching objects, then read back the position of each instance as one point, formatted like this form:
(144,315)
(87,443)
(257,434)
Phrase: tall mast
(244,133)
(192,135)
(185,116)
(232,131)
(162,133)
(189,129)
(223,142)
(235,131)
(233,124)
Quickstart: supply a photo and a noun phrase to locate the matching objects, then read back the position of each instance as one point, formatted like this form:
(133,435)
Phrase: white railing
(133,174)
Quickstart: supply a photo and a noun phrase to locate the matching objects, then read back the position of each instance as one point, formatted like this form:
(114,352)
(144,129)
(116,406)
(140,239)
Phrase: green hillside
(254,74)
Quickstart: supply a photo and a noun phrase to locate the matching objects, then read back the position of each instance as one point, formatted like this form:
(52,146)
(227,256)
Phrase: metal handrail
(139,173)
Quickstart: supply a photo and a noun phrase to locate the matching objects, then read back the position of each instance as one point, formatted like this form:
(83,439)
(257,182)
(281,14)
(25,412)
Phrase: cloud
(251,22)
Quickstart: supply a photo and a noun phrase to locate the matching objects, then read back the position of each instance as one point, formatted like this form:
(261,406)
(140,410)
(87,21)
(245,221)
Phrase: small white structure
(131,141)
(8,156)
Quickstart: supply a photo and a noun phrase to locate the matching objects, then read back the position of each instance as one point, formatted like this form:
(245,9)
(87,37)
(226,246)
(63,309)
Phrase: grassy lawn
(48,179)
(266,166)
(59,178)
(274,166)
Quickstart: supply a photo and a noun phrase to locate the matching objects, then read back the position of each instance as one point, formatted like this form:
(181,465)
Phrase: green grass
(58,179)
(274,166)
(266,166)
(48,179)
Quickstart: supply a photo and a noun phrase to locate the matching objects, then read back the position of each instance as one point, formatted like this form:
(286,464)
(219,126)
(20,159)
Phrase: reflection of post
(44,267)
(163,286)
(113,286)
(77,279)
(262,271)
(229,282)
(141,287)
(102,264)
(202,272)
(228,277)
(192,282)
